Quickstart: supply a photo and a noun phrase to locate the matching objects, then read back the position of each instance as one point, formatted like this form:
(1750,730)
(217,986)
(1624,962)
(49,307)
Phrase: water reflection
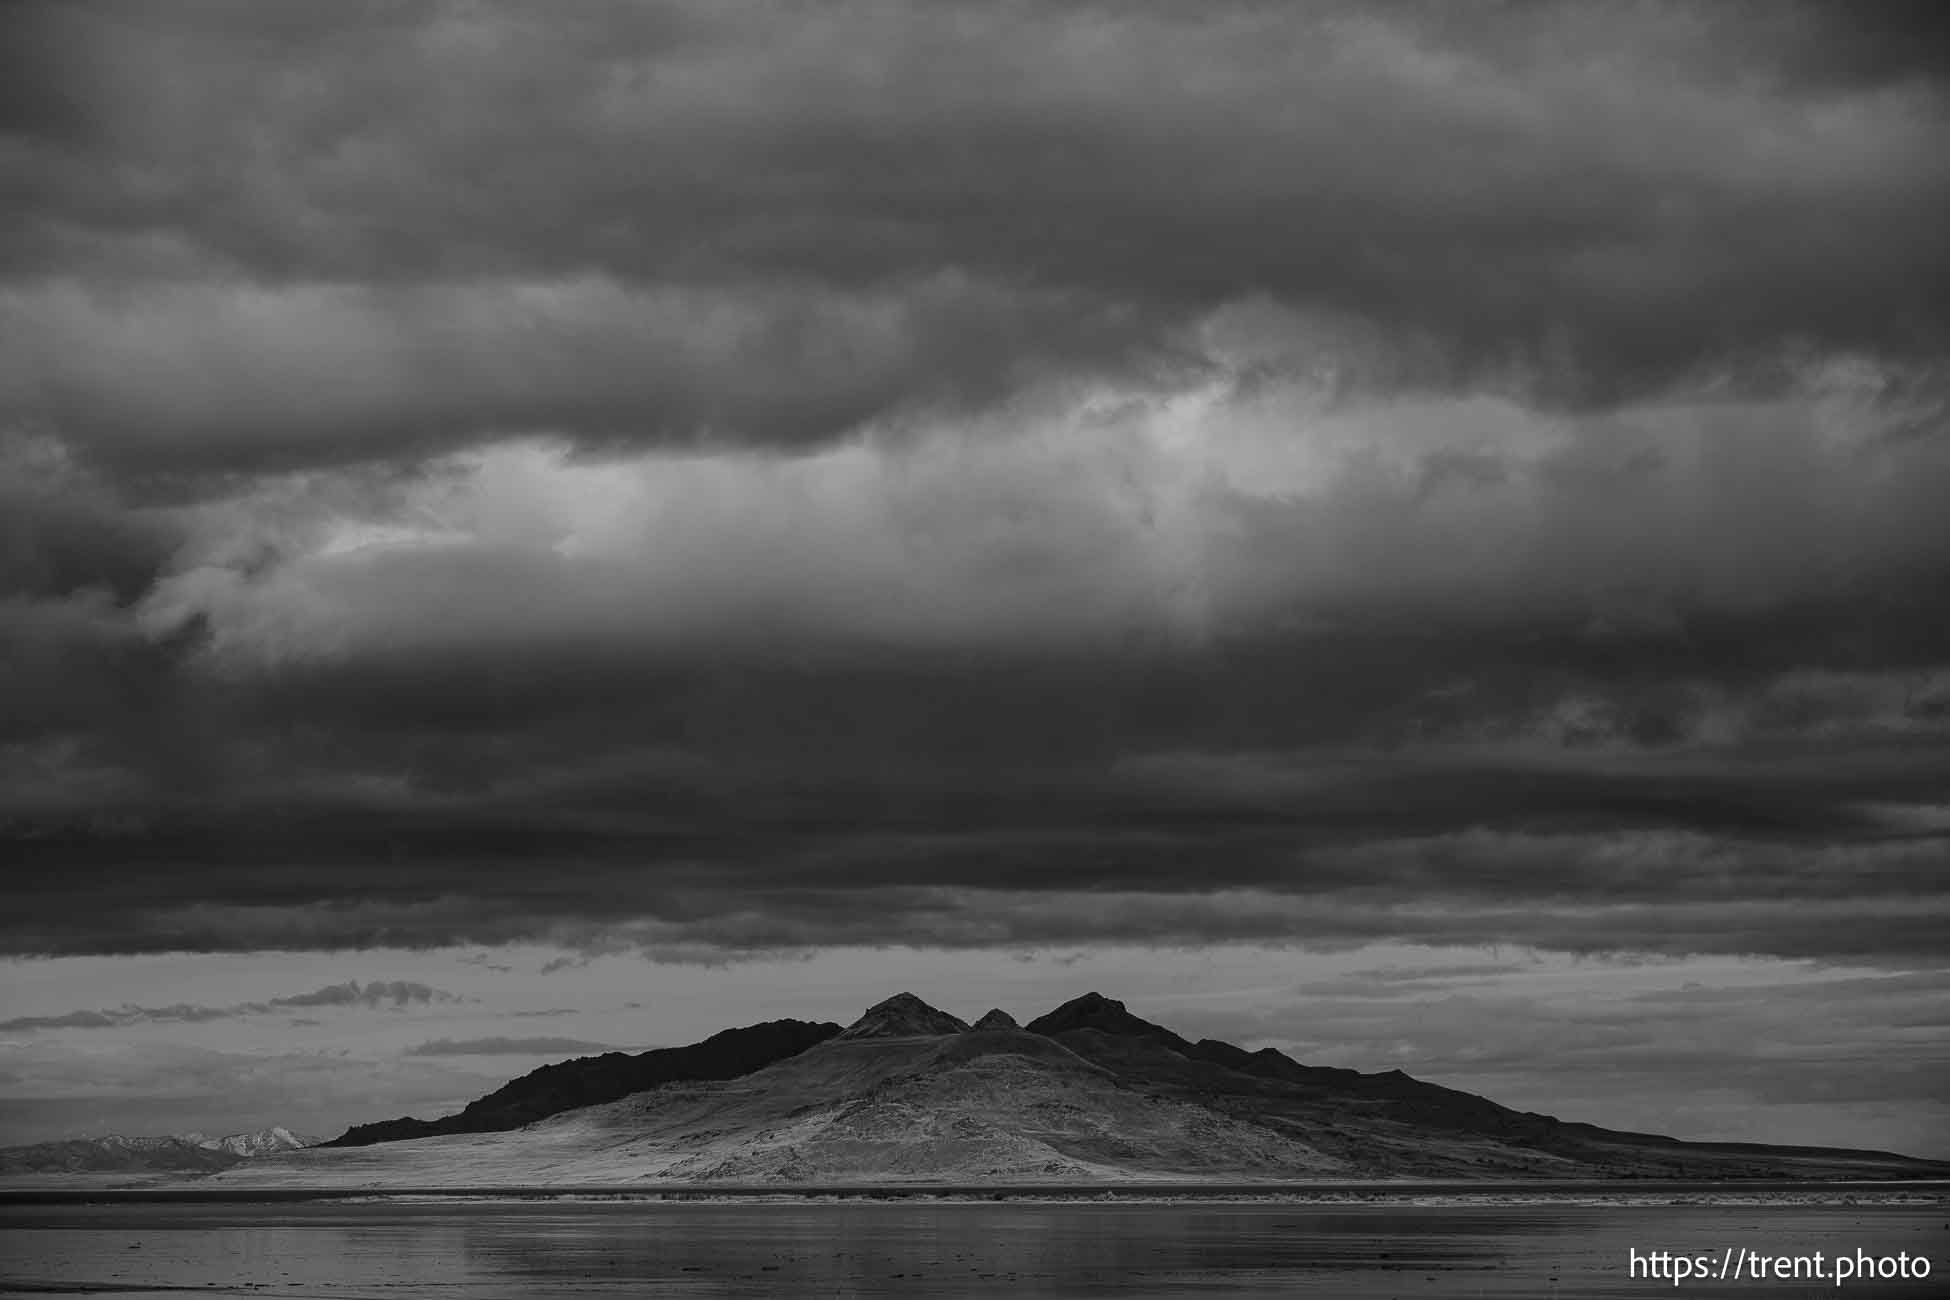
(519,1250)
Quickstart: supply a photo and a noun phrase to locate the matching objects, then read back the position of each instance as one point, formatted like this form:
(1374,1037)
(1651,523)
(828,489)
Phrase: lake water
(491,1250)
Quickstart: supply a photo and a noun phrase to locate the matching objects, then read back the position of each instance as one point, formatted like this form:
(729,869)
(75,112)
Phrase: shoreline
(1630,1191)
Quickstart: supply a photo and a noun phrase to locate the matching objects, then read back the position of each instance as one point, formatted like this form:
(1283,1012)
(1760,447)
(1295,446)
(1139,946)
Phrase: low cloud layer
(497,1046)
(394,994)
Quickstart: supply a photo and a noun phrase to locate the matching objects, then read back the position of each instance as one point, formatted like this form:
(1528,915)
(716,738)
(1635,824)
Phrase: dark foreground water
(489,1250)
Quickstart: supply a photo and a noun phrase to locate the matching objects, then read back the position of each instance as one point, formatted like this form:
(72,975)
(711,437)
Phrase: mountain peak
(1105,1015)
(997,1018)
(268,1141)
(903,1016)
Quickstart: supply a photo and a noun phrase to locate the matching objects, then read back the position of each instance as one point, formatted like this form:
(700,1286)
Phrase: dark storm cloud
(378,993)
(76,671)
(1901,41)
(470,740)
(1781,856)
(721,220)
(393,373)
(717,480)
(64,538)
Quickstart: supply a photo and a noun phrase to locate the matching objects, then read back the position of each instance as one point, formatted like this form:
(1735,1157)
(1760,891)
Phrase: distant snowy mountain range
(264,1142)
(181,1153)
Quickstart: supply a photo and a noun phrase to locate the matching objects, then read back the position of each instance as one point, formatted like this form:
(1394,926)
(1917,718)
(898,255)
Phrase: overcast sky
(1414,533)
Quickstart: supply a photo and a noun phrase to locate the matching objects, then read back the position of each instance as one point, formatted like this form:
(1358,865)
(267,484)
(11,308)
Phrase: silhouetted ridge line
(1102,1030)
(1106,1016)
(591,1080)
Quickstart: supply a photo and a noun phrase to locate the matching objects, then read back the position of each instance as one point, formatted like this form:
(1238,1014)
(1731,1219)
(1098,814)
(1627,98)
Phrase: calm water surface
(517,1250)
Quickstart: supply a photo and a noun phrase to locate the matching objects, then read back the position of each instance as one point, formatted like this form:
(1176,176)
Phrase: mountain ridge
(1088,1092)
(593,1080)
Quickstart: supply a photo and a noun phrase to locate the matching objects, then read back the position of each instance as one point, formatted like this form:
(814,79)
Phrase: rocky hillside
(592,1080)
(1087,1092)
